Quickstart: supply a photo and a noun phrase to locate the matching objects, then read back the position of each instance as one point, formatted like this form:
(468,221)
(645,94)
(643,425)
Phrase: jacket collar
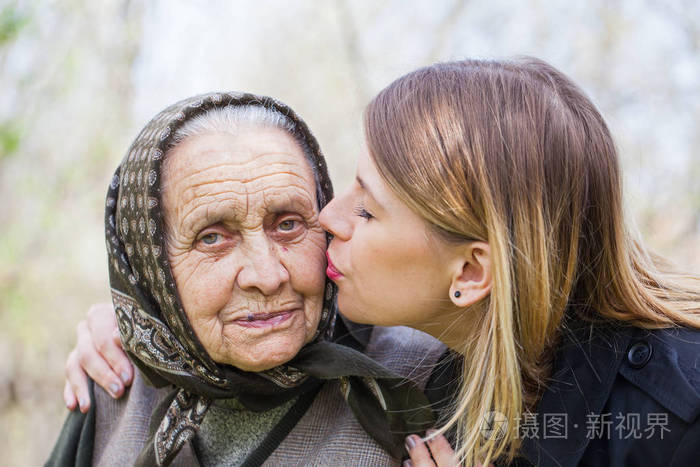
(583,375)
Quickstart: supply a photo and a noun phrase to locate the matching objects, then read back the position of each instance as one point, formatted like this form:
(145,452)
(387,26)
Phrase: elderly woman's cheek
(310,261)
(179,257)
(210,331)
(306,263)
(202,284)
(315,241)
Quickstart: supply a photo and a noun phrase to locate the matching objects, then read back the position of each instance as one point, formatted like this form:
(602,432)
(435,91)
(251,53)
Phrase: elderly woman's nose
(335,220)
(263,271)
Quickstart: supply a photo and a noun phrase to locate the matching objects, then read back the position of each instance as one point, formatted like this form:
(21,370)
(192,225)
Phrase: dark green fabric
(74,446)
(281,430)
(76,440)
(407,409)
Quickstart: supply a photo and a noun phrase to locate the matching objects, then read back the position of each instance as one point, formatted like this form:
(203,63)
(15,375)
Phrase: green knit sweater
(229,433)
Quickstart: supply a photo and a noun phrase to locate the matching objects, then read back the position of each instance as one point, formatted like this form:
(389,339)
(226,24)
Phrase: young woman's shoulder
(655,401)
(664,364)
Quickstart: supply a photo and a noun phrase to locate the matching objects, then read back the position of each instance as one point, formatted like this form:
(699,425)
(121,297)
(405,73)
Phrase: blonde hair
(514,154)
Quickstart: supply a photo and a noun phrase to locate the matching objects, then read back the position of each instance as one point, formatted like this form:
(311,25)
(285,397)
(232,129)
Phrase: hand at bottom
(436,452)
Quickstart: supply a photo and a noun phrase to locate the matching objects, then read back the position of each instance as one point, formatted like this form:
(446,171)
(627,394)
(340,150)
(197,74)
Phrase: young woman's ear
(471,281)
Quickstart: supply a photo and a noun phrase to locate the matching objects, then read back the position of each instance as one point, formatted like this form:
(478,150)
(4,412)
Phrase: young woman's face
(389,267)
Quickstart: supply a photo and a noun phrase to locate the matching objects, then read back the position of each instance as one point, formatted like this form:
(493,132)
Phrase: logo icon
(494,425)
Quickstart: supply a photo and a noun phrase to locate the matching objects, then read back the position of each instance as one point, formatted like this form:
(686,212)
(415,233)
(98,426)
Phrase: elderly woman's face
(245,245)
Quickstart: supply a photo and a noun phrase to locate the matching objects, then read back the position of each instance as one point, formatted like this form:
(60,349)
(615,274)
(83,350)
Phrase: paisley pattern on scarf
(149,339)
(180,424)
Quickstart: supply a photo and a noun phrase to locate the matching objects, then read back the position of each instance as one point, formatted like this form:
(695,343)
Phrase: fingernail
(114,388)
(430,432)
(407,463)
(125,377)
(82,402)
(410,443)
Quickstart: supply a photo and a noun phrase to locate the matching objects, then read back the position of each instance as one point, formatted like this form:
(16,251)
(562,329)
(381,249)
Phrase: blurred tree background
(79,78)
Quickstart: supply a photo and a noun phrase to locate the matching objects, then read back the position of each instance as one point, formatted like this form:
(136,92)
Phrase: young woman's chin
(348,308)
(367,311)
(354,310)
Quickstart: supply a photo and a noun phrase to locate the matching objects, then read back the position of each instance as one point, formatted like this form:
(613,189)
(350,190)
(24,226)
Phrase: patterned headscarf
(159,339)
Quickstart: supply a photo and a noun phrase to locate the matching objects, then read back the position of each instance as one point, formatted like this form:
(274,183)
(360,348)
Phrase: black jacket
(631,397)
(617,396)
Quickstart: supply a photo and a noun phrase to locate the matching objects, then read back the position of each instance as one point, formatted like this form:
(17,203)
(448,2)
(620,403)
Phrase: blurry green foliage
(8,251)
(12,21)
(10,137)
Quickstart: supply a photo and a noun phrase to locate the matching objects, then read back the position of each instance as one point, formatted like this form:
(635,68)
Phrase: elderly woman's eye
(210,239)
(287,225)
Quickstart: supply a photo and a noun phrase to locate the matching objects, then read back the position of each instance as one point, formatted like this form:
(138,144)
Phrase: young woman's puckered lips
(332,273)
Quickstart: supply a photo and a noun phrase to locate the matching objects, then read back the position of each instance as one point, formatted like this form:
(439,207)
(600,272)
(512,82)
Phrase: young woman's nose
(262,269)
(335,218)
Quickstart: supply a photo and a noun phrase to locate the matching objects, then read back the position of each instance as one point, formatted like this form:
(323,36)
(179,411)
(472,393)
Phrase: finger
(78,382)
(69,397)
(92,362)
(420,455)
(441,450)
(102,325)
(125,368)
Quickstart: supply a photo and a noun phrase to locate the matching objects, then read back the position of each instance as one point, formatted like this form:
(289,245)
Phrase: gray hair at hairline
(230,119)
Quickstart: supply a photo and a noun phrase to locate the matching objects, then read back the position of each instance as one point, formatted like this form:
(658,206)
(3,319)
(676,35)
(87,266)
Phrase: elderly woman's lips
(260,320)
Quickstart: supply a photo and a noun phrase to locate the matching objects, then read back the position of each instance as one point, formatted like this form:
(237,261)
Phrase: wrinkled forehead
(252,168)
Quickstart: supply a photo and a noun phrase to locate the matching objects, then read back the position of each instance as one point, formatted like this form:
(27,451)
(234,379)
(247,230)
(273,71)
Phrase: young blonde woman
(487,212)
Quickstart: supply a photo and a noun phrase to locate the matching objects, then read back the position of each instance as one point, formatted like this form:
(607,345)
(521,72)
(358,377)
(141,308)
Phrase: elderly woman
(216,264)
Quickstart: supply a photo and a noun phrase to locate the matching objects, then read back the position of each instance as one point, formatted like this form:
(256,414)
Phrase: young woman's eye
(362,212)
(287,226)
(210,238)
